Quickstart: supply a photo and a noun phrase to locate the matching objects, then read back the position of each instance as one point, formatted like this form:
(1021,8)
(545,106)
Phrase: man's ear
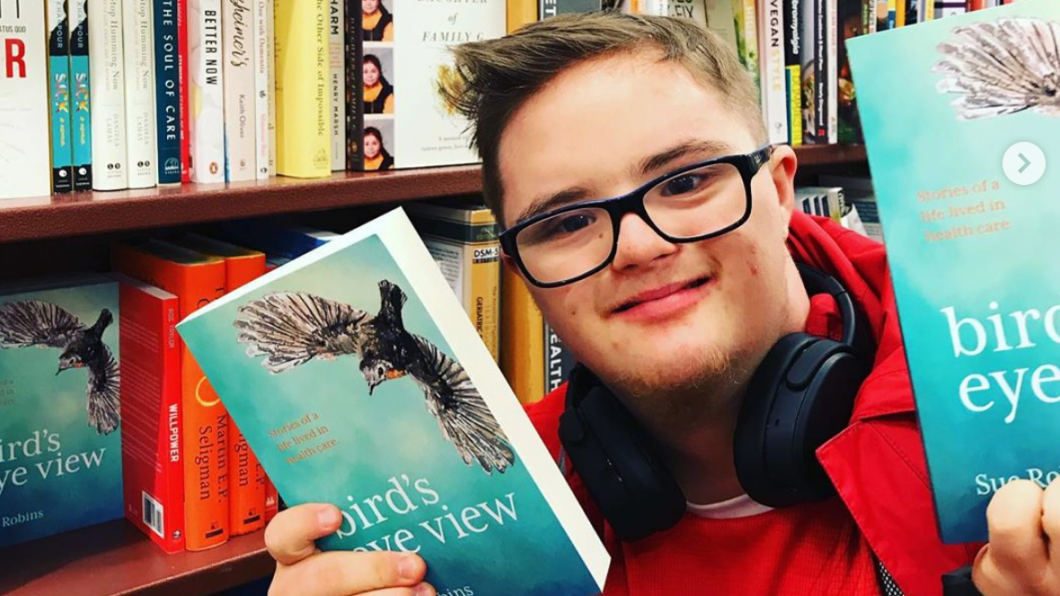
(782,166)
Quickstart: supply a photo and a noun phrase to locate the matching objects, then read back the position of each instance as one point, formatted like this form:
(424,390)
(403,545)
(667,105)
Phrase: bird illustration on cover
(45,325)
(1002,67)
(292,328)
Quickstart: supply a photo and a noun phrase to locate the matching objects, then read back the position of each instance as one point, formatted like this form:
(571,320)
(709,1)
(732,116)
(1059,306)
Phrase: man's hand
(303,570)
(1023,555)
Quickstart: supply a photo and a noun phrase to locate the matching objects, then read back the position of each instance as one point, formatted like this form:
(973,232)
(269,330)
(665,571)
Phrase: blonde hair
(491,79)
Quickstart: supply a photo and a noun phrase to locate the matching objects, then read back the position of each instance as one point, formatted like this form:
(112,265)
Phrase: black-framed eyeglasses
(696,202)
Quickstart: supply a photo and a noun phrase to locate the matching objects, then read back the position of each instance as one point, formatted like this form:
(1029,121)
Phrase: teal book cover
(358,379)
(60,436)
(953,111)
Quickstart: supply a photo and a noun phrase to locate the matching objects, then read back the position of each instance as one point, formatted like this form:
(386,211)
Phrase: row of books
(121,94)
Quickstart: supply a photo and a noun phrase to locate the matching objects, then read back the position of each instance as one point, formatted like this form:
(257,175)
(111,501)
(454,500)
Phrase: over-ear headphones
(801,395)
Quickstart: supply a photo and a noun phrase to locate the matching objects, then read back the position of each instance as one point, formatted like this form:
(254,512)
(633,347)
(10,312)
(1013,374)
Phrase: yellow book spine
(522,339)
(521,13)
(303,125)
(483,291)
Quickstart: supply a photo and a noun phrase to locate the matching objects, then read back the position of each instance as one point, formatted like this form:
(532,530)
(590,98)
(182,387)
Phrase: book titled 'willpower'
(357,379)
(970,249)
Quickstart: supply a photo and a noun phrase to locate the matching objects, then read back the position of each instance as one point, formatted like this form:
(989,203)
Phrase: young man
(582,108)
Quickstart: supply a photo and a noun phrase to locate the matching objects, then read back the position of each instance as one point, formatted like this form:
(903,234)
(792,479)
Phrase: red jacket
(877,463)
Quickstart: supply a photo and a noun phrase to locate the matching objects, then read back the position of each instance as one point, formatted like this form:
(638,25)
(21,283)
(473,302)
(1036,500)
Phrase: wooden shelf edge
(115,559)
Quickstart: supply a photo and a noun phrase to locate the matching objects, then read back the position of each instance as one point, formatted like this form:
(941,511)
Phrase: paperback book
(357,379)
(969,218)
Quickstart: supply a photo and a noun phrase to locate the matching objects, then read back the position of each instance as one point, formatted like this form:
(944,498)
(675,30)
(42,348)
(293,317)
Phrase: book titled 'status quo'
(358,379)
(970,230)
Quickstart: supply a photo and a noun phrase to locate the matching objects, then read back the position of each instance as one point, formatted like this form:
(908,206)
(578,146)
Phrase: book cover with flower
(357,379)
(970,245)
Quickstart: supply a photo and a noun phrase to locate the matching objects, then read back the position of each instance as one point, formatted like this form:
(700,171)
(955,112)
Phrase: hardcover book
(358,380)
(140,118)
(107,88)
(977,295)
(25,168)
(60,415)
(167,91)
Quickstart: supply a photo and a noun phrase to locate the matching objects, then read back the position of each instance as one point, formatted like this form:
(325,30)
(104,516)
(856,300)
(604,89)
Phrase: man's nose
(639,244)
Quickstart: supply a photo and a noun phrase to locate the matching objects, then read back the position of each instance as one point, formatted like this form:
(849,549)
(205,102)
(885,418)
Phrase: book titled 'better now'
(357,379)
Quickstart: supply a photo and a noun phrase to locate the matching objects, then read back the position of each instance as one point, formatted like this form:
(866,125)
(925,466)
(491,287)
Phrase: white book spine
(25,168)
(773,75)
(832,24)
(239,100)
(337,71)
(262,91)
(107,89)
(140,124)
(206,71)
(270,27)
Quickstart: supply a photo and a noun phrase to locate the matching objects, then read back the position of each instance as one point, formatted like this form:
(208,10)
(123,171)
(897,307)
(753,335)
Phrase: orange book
(197,280)
(246,476)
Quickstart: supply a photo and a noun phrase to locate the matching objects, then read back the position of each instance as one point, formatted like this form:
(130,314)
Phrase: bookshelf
(114,559)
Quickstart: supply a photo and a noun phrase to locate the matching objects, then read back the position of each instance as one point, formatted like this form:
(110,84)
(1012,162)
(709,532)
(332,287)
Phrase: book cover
(59,83)
(81,103)
(167,91)
(107,63)
(60,414)
(206,109)
(302,88)
(239,102)
(358,380)
(152,450)
(967,244)
(404,56)
(140,119)
(25,168)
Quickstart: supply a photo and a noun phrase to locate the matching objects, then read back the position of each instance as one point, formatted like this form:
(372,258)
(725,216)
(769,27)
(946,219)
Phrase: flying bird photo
(292,328)
(1002,67)
(45,325)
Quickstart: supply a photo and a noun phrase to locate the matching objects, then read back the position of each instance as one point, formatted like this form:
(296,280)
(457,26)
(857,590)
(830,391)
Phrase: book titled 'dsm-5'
(357,379)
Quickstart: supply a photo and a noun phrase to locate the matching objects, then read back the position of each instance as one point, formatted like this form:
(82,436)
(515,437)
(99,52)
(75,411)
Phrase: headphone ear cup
(615,460)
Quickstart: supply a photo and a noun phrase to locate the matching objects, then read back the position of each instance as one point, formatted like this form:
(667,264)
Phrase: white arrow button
(1023,163)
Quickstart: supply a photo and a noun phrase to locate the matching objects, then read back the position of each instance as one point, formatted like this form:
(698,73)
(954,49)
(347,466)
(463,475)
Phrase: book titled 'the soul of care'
(969,216)
(358,379)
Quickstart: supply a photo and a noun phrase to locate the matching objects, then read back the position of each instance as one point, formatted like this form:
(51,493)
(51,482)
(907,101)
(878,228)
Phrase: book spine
(206,479)
(140,127)
(25,161)
(270,28)
(774,87)
(248,486)
(59,84)
(303,138)
(106,56)
(272,500)
(185,91)
(238,97)
(522,353)
(820,67)
(354,83)
(81,104)
(558,360)
(793,68)
(262,14)
(167,91)
(483,292)
(337,72)
(832,29)
(207,87)
(520,13)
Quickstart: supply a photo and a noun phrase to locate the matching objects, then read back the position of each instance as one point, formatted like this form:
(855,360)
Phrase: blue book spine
(167,94)
(80,105)
(59,96)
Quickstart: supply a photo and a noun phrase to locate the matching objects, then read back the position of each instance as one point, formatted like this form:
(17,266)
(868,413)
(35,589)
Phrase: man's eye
(573,223)
(682,184)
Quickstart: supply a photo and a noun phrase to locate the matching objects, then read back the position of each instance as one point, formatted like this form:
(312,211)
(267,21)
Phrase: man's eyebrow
(646,166)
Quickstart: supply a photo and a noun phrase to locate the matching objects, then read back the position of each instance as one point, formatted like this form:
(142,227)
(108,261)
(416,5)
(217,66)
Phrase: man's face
(662,317)
(371,74)
(369,6)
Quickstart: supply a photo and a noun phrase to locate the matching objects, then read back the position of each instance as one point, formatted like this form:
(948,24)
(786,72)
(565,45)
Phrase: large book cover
(167,91)
(303,120)
(358,380)
(206,91)
(196,279)
(404,55)
(60,414)
(25,169)
(968,238)
(81,102)
(59,83)
(239,103)
(152,449)
(107,63)
(140,118)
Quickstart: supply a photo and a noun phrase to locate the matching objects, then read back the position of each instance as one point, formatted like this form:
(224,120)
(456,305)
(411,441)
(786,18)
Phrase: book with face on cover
(358,379)
(961,117)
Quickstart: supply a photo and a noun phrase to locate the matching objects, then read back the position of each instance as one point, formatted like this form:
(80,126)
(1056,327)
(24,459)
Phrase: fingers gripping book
(358,380)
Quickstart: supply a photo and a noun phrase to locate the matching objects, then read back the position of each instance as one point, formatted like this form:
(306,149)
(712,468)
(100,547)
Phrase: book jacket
(60,437)
(358,379)
(977,296)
